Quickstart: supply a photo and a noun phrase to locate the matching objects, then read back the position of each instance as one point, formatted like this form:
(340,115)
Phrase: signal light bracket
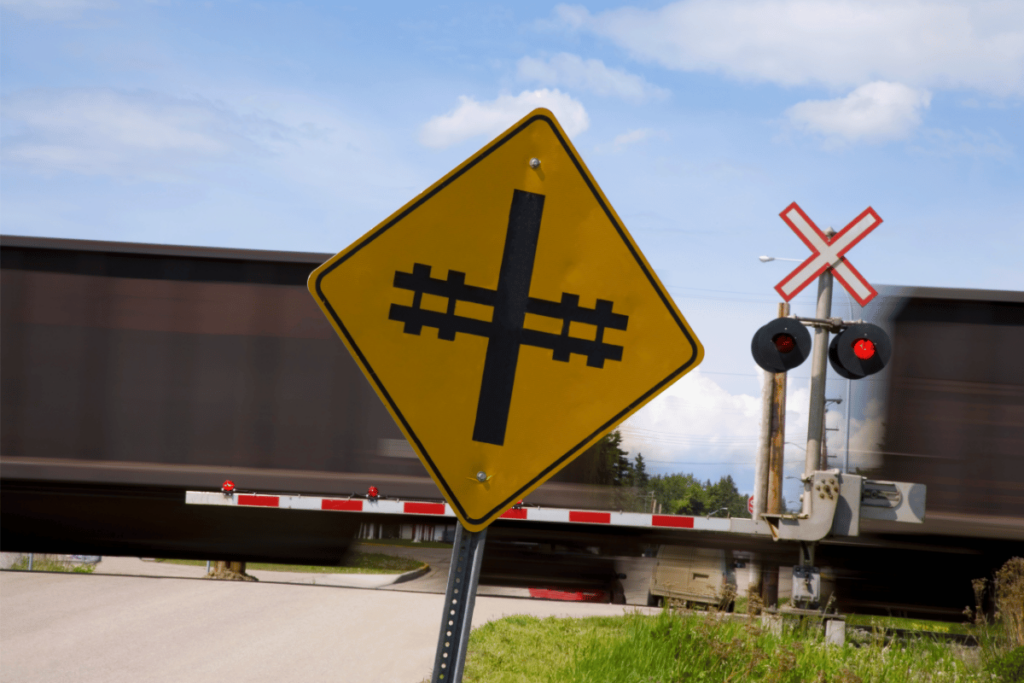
(772,358)
(834,325)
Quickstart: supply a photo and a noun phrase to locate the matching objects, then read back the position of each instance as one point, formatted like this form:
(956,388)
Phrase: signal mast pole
(819,367)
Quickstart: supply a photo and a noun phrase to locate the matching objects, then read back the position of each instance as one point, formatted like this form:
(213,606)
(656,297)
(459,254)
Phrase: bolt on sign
(506,319)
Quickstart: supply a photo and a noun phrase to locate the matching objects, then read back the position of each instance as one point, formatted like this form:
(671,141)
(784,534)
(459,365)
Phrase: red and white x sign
(828,253)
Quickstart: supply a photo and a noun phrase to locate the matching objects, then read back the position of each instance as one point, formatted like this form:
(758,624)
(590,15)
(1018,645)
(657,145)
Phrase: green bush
(53,563)
(1010,667)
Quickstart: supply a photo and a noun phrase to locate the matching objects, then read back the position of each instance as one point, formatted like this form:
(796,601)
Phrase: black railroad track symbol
(511,302)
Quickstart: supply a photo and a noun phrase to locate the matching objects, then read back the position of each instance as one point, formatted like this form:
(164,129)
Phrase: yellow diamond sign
(506,319)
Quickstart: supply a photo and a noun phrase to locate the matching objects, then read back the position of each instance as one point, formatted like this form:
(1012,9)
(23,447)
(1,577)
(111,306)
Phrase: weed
(1009,594)
(1008,668)
(53,563)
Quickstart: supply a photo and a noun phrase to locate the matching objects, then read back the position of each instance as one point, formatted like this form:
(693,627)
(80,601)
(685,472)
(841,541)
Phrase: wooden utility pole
(776,444)
(230,571)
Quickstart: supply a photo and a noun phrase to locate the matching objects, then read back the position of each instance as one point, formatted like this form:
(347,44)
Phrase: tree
(679,494)
(604,463)
(724,494)
(684,494)
(622,467)
(640,477)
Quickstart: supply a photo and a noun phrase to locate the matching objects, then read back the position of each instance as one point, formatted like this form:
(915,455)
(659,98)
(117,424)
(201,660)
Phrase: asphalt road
(111,628)
(637,570)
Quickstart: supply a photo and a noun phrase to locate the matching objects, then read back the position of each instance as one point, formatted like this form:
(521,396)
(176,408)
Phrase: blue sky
(299,126)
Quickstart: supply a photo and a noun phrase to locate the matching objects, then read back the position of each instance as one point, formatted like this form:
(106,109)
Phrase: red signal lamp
(372,493)
(784,342)
(781,345)
(864,348)
(228,486)
(860,350)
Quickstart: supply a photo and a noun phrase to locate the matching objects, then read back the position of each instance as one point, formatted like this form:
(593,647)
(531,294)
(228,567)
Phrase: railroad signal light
(860,350)
(228,486)
(784,343)
(781,345)
(372,493)
(863,348)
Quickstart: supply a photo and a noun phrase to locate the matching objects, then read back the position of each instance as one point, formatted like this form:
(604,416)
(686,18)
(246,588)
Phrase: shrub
(1009,593)
(1010,667)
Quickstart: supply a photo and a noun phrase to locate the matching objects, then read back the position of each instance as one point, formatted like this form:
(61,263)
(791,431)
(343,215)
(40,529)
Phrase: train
(130,373)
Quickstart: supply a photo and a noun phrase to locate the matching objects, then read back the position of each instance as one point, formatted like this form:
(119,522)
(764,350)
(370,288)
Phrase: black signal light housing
(860,350)
(781,345)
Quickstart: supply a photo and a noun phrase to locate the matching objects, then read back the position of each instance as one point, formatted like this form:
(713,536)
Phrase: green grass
(741,604)
(868,621)
(47,564)
(670,648)
(358,563)
(865,621)
(406,543)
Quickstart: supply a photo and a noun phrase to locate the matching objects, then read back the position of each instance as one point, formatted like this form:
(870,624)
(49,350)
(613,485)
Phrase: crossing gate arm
(444,511)
(839,501)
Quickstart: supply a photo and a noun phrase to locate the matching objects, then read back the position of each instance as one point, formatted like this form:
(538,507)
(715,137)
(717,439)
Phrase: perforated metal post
(457,619)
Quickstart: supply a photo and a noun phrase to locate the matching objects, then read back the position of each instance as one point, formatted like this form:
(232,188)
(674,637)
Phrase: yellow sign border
(317,276)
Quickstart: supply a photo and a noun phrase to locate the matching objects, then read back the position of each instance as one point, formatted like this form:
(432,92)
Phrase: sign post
(459,599)
(508,321)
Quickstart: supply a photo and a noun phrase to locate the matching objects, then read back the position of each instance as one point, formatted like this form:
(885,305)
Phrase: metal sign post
(819,368)
(459,598)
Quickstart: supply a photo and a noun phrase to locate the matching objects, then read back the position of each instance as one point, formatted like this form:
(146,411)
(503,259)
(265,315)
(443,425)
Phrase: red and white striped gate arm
(396,507)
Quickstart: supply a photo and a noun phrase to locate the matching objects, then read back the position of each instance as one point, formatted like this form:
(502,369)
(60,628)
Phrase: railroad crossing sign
(827,252)
(506,319)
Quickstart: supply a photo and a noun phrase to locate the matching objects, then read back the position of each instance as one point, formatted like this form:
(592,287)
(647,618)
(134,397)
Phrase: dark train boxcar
(954,407)
(129,373)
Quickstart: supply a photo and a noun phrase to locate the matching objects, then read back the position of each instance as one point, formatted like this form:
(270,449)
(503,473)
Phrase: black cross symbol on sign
(511,302)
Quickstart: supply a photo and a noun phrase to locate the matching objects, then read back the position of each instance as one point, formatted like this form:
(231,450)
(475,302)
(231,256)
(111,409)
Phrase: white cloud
(838,43)
(874,112)
(631,137)
(471,118)
(53,10)
(948,143)
(695,421)
(866,436)
(109,132)
(572,71)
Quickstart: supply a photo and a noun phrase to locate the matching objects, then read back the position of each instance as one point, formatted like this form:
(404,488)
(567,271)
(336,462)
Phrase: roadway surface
(112,627)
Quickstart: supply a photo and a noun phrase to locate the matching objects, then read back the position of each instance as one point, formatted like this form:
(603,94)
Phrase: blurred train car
(130,373)
(952,418)
(955,407)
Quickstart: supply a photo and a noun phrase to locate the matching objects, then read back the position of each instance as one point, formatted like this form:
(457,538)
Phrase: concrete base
(835,631)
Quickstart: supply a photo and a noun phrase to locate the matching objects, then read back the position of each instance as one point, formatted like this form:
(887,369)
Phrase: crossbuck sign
(506,319)
(826,252)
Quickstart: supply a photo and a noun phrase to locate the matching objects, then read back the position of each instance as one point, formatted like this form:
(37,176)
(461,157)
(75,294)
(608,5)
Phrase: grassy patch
(358,563)
(672,647)
(45,563)
(406,543)
(864,621)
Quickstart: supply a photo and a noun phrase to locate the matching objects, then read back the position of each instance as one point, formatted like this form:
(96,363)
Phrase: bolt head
(481,476)
(534,163)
